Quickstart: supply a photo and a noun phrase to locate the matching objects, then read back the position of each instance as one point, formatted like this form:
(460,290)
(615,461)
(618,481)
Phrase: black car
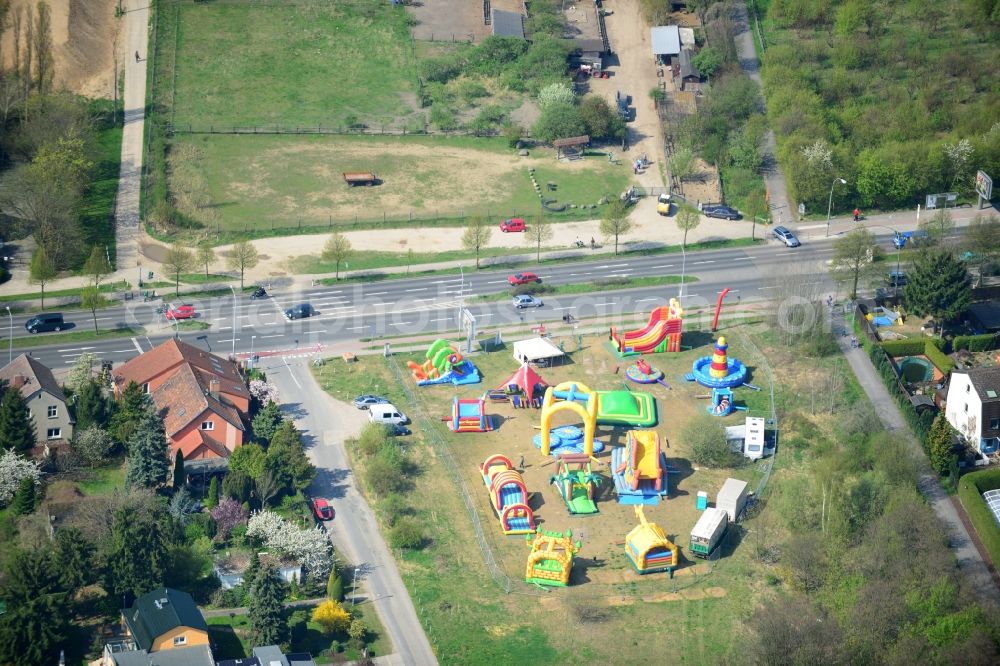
(43,323)
(721,212)
(397,430)
(300,311)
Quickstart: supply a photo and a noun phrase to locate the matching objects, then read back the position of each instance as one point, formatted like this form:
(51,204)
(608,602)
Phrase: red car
(513,224)
(181,312)
(522,278)
(322,509)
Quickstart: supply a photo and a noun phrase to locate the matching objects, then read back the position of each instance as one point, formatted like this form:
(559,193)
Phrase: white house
(973,407)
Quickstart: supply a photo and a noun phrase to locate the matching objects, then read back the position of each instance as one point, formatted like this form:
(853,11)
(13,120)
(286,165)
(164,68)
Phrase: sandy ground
(83,39)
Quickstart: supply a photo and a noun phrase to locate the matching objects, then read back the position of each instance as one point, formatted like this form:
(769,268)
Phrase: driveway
(970,562)
(325,424)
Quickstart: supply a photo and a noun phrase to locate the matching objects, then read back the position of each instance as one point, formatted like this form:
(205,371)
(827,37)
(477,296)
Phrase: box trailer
(708,532)
(355,178)
(732,498)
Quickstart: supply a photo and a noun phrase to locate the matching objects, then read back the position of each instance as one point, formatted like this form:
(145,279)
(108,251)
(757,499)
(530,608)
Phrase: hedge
(970,490)
(920,425)
(907,347)
(939,358)
(976,343)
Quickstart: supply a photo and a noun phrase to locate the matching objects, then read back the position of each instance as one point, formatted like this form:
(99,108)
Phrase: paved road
(127,211)
(431,304)
(968,557)
(326,423)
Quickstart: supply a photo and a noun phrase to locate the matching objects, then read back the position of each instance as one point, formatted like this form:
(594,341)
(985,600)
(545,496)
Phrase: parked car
(721,212)
(897,279)
(43,323)
(300,311)
(513,224)
(322,509)
(786,236)
(522,278)
(526,301)
(180,311)
(397,430)
(387,415)
(366,401)
(663,204)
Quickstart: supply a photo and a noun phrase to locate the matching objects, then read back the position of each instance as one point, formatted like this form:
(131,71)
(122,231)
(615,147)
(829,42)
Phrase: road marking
(707,261)
(121,351)
(617,265)
(137,345)
(731,291)
(290,373)
(439,319)
(358,328)
(376,293)
(225,328)
(497,282)
(751,256)
(276,335)
(417,289)
(643,300)
(229,340)
(73,349)
(570,307)
(662,266)
(324,293)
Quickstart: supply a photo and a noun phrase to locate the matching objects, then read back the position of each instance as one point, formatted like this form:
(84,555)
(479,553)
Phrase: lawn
(82,335)
(608,614)
(279,184)
(97,211)
(104,288)
(102,480)
(307,64)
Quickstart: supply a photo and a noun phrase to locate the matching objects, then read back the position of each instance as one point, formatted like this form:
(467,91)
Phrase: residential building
(271,655)
(44,398)
(165,619)
(973,407)
(203,398)
(197,655)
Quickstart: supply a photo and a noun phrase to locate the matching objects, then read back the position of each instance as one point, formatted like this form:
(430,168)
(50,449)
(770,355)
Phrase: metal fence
(358,130)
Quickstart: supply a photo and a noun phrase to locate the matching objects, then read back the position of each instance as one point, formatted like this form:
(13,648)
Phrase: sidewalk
(970,562)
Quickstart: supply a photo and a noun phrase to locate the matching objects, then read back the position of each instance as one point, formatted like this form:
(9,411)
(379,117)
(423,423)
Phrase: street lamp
(252,338)
(235,304)
(829,204)
(10,340)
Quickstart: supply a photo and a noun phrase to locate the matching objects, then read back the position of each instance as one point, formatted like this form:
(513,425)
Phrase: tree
(93,443)
(335,585)
(287,459)
(180,478)
(81,372)
(92,299)
(227,514)
(332,617)
(754,204)
(476,236)
(138,557)
(242,257)
(148,464)
(939,286)
(17,427)
(337,249)
(938,225)
(181,506)
(205,255)
(24,498)
(707,440)
(687,219)
(559,121)
(97,265)
(91,407)
(132,407)
(537,233)
(266,421)
(512,132)
(74,555)
(252,571)
(681,163)
(14,468)
(855,258)
(982,241)
(268,625)
(212,499)
(600,120)
(238,485)
(42,270)
(615,222)
(178,260)
(708,61)
(555,94)
(249,458)
(34,626)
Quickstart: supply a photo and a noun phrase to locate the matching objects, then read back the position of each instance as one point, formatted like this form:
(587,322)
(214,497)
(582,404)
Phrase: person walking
(857,214)
(137,56)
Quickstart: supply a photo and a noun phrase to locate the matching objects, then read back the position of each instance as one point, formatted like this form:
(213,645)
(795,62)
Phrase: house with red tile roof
(202,398)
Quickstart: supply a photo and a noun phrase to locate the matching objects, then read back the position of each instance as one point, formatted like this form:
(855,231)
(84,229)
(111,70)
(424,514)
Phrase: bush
(976,343)
(384,475)
(407,533)
(559,121)
(373,438)
(970,490)
(707,439)
(4,274)
(440,70)
(395,507)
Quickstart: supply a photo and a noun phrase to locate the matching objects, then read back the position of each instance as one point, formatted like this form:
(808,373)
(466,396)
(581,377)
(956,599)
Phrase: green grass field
(292,64)
(266,184)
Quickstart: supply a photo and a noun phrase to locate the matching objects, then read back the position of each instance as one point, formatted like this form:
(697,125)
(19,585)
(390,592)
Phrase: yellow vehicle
(663,204)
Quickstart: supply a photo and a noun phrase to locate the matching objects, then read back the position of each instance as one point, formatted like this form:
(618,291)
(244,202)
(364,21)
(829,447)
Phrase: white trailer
(708,532)
(732,498)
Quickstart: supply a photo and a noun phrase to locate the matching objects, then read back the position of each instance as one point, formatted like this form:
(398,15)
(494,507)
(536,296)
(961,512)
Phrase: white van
(387,414)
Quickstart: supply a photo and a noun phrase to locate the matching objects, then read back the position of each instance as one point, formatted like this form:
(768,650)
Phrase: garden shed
(666,40)
(689,74)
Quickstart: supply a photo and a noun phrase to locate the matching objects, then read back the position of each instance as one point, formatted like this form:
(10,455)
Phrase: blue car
(900,238)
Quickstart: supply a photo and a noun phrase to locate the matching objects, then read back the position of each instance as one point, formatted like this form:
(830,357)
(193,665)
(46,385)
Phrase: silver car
(526,301)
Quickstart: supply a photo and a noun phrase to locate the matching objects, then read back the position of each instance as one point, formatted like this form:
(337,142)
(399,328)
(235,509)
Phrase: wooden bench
(349,357)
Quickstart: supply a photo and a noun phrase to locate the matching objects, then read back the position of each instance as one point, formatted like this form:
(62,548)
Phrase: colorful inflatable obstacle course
(469,415)
(573,397)
(576,482)
(444,365)
(648,549)
(551,558)
(718,370)
(508,495)
(639,469)
(661,334)
(568,440)
(643,373)
(524,388)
